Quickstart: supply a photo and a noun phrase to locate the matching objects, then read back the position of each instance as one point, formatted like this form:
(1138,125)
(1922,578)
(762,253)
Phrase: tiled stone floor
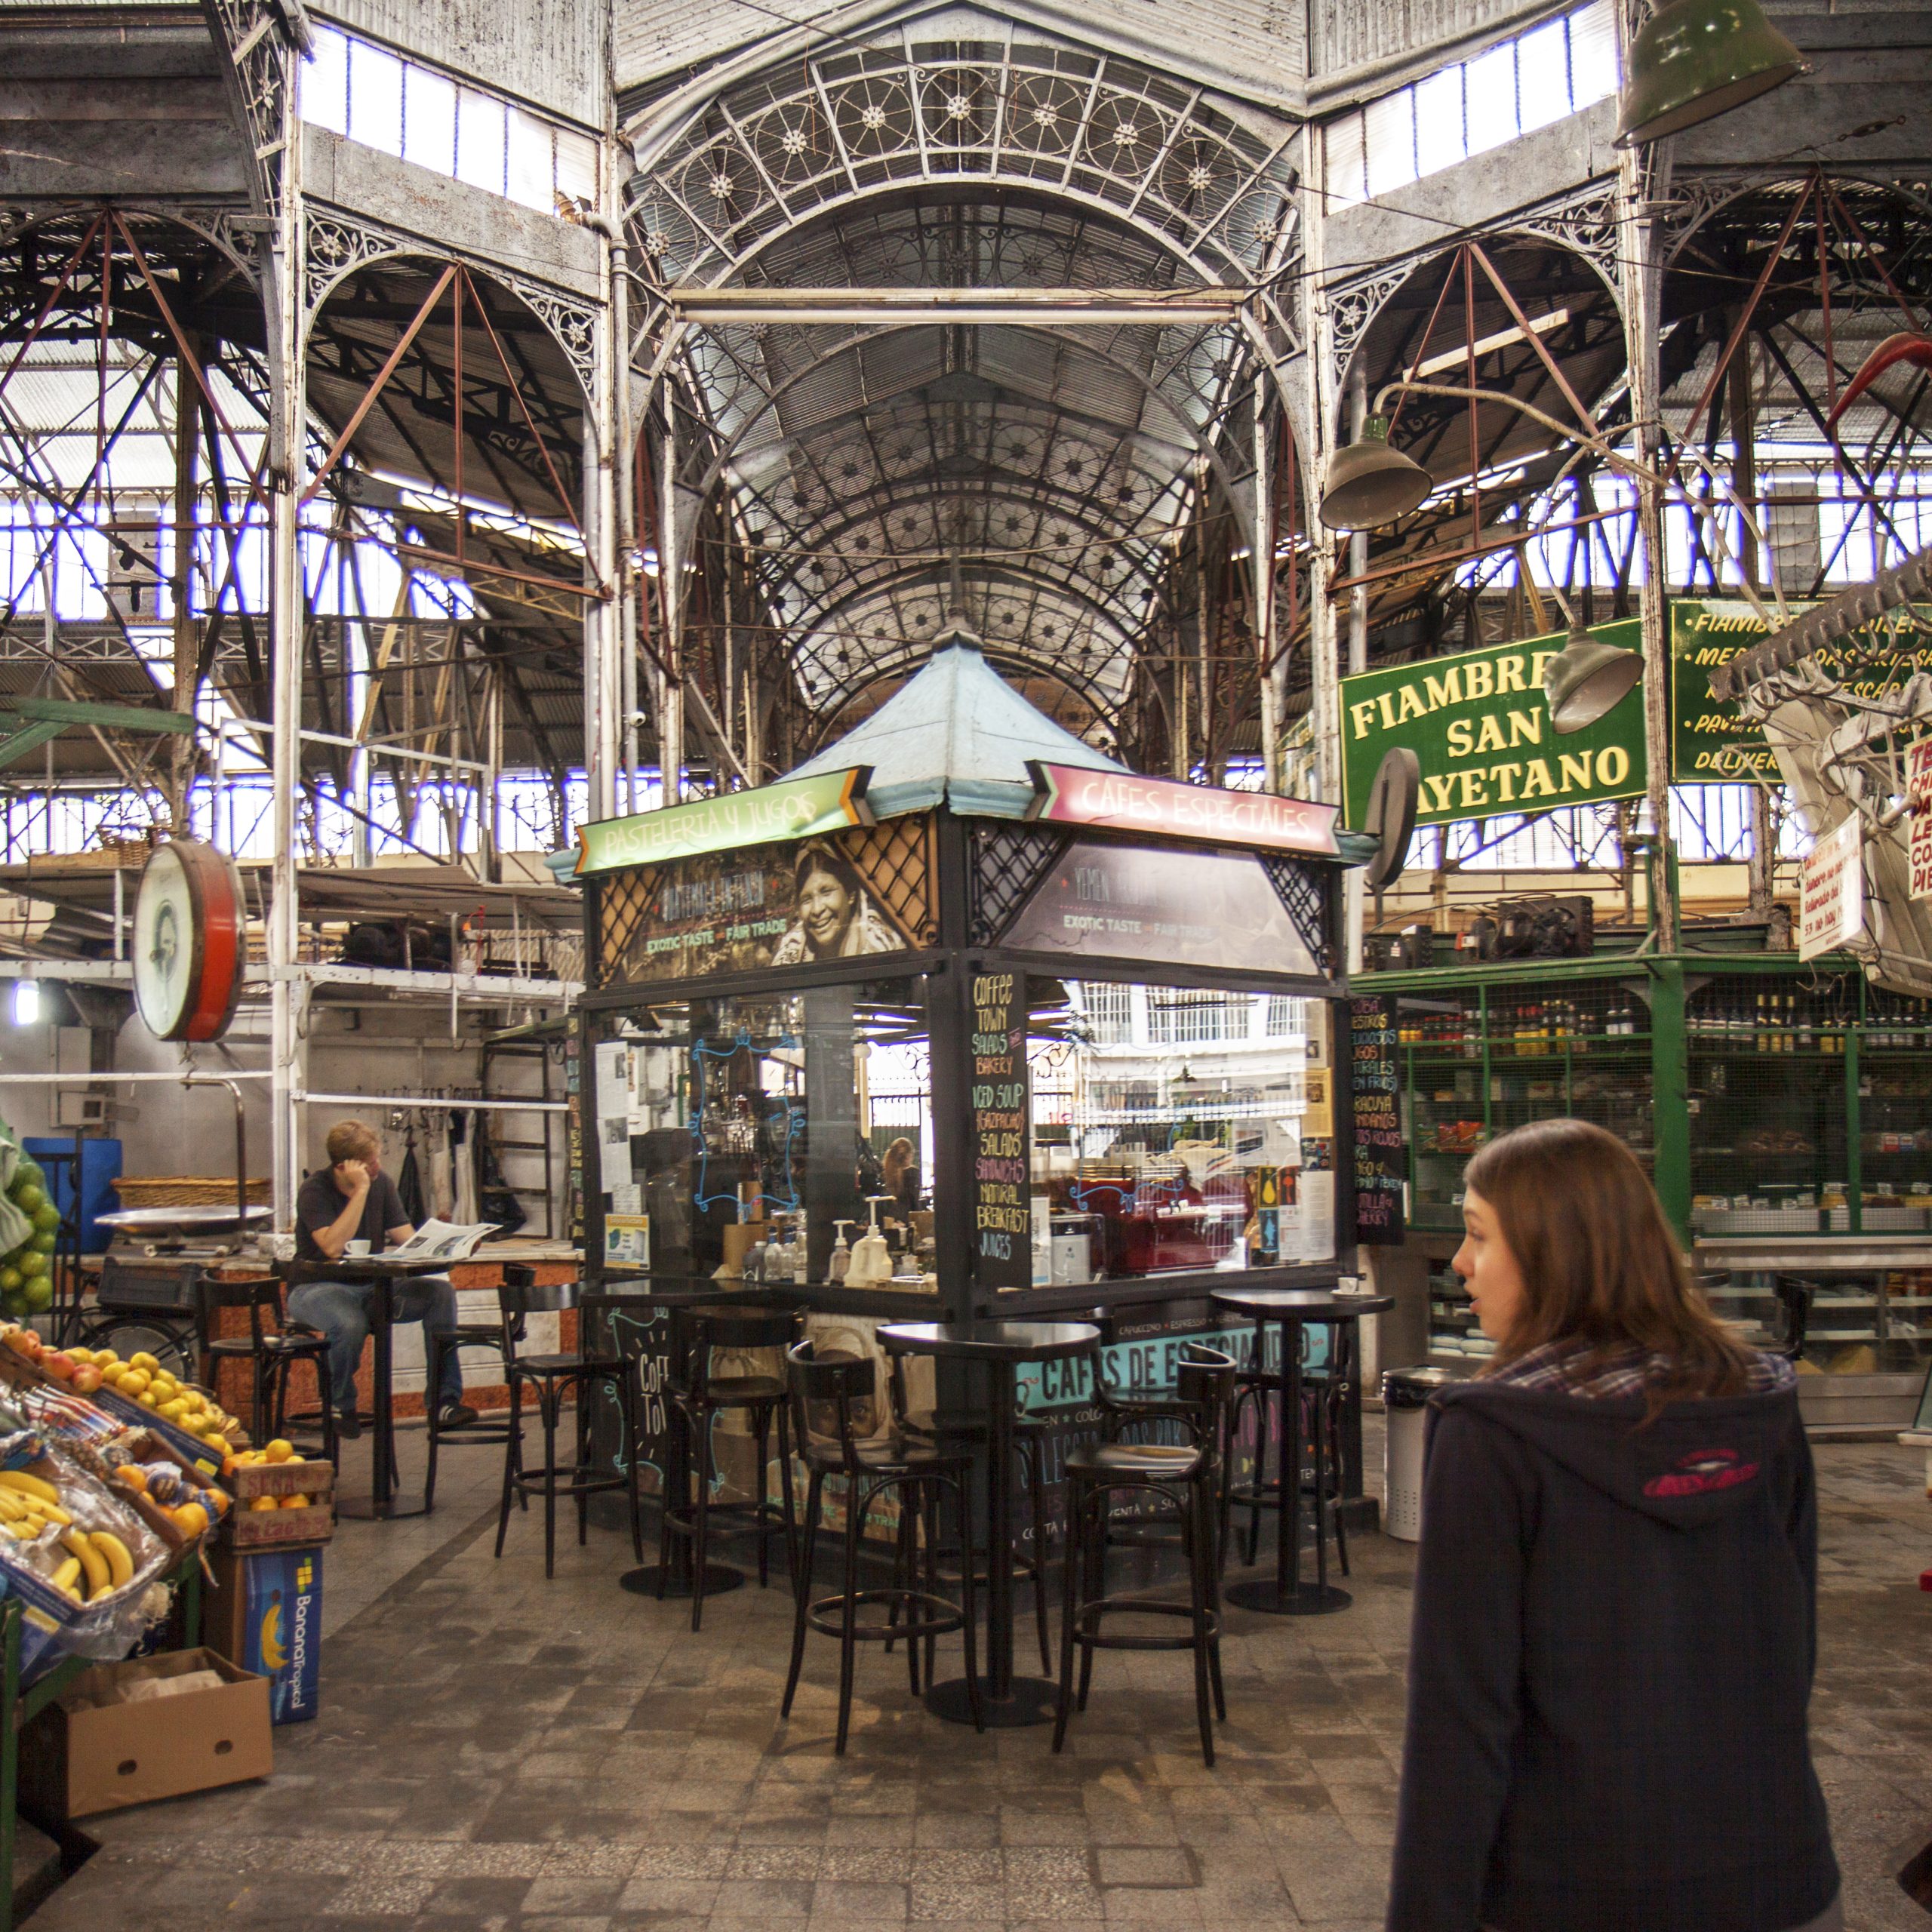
(499,1752)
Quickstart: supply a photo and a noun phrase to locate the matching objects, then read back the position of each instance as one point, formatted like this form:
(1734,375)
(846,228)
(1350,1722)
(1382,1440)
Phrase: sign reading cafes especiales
(1480,725)
(1125,801)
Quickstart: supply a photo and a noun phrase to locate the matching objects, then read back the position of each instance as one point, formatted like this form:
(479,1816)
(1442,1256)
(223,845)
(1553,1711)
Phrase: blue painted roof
(955,733)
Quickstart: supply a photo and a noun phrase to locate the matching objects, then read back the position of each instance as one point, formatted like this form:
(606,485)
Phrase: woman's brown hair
(1601,1268)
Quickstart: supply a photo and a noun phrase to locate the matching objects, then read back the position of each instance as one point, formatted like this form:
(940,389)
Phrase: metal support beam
(288,470)
(1039,308)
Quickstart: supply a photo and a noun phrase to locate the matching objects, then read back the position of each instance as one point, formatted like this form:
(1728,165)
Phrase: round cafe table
(1292,1309)
(1000,1347)
(382,1272)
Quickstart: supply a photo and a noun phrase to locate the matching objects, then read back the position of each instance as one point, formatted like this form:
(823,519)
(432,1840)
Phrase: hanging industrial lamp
(1370,484)
(1694,58)
(1586,680)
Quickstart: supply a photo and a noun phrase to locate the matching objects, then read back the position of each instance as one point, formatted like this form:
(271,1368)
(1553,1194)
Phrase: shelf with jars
(1783,1109)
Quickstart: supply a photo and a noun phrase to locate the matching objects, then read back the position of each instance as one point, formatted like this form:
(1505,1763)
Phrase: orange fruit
(131,1475)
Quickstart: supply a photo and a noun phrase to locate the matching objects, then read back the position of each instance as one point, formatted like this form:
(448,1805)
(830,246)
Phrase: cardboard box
(265,1613)
(78,1758)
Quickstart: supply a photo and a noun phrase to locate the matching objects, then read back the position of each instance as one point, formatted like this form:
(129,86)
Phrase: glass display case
(1171,1133)
(1082,1067)
(766,1134)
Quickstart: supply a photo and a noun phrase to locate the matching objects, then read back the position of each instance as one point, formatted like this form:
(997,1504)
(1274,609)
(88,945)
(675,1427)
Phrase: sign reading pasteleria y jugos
(1480,726)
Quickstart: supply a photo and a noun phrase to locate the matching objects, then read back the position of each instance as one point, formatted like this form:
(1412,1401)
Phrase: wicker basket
(185,1191)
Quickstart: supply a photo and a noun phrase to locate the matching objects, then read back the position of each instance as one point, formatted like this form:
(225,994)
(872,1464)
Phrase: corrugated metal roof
(1253,49)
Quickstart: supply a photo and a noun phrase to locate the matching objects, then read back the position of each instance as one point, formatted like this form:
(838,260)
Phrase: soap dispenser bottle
(841,1254)
(872,1260)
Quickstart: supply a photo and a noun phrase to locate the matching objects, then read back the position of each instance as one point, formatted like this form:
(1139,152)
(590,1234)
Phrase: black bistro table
(1000,1347)
(382,1272)
(1292,1309)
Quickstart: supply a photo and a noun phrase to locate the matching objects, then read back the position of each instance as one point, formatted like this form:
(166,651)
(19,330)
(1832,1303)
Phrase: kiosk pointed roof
(955,731)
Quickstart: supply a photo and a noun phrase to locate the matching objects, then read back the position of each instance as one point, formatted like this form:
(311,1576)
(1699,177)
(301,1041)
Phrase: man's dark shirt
(321,1202)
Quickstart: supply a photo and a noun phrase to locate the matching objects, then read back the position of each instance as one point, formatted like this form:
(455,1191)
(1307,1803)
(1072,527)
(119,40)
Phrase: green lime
(30,1171)
(16,1305)
(29,1198)
(46,1218)
(38,1294)
(11,1281)
(31,1264)
(44,1243)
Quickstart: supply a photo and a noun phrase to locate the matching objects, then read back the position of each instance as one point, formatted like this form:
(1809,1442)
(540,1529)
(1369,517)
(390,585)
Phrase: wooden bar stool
(270,1348)
(825,1392)
(549,1379)
(699,1396)
(1028,1441)
(1325,1394)
(1185,1475)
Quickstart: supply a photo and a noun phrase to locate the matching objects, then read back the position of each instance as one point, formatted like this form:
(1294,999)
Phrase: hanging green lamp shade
(1369,484)
(1586,680)
(1694,58)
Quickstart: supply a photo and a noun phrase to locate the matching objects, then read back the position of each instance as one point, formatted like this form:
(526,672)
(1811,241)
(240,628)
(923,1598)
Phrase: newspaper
(441,1240)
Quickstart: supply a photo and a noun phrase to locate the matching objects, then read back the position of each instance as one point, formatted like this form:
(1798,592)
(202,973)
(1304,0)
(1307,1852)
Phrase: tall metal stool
(1029,1439)
(824,1391)
(1186,1476)
(699,1396)
(549,1379)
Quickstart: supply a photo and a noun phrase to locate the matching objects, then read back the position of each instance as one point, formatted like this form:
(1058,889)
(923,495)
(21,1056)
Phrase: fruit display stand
(20,1705)
(1779,1105)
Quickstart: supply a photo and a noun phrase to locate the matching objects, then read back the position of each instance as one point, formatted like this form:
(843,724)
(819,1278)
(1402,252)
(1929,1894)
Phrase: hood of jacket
(1692,1462)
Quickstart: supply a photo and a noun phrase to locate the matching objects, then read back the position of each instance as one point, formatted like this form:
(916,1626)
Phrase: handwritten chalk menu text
(1002,1222)
(1380,1169)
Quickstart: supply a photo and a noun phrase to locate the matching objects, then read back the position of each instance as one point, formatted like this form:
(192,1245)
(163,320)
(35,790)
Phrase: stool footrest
(940,1616)
(1096,1638)
(534,1483)
(766,1519)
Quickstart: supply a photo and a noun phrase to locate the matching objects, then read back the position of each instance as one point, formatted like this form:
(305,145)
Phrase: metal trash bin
(1405,1394)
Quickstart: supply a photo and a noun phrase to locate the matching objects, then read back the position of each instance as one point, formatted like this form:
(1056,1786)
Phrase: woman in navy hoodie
(1613,1634)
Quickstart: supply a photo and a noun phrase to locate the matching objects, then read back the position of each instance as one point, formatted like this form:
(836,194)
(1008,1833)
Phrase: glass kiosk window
(1172,1133)
(769,1118)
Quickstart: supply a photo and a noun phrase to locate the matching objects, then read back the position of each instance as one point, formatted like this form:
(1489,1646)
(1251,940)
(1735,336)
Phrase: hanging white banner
(1831,911)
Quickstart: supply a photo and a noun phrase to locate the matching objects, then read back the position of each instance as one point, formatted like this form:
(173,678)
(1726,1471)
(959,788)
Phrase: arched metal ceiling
(1038,475)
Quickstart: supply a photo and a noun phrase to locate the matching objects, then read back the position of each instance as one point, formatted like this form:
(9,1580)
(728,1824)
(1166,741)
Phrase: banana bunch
(98,1557)
(28,1504)
(96,1560)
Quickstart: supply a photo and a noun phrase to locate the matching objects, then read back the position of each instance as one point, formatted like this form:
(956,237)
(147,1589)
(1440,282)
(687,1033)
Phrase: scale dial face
(188,951)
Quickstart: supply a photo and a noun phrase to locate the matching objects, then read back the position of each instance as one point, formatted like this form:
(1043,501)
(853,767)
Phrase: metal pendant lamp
(1370,484)
(1694,58)
(1586,680)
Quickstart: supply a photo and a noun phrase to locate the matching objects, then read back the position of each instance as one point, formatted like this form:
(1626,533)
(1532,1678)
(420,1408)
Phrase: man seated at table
(352,1200)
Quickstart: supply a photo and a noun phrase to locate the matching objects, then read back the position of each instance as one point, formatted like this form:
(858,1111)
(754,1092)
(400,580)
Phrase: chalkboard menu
(1002,1218)
(1380,1169)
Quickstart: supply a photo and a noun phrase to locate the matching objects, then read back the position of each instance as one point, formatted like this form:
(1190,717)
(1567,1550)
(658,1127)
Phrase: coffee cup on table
(357,1249)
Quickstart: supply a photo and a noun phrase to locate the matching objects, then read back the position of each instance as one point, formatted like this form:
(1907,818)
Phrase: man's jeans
(340,1309)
